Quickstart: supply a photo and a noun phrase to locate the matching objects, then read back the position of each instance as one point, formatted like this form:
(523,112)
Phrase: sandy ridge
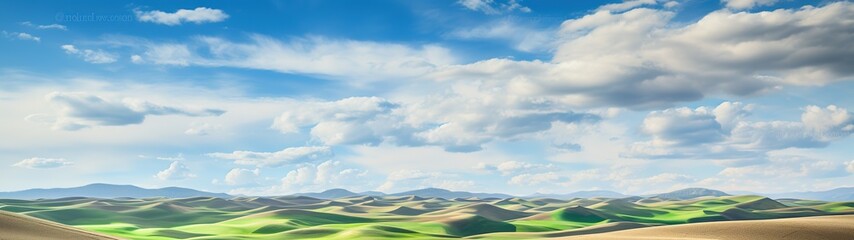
(803,228)
(17,226)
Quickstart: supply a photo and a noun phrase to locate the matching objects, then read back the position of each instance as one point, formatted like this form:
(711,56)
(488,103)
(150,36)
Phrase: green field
(397,217)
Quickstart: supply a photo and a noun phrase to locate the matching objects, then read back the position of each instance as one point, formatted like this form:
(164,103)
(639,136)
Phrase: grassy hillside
(361,217)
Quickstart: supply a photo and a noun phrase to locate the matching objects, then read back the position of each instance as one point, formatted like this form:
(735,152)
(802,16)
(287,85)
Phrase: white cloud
(300,176)
(600,143)
(789,166)
(639,59)
(671,4)
(457,123)
(631,177)
(748,4)
(493,6)
(473,114)
(79,110)
(50,26)
(510,167)
(136,59)
(201,129)
(169,54)
(355,120)
(179,157)
(682,126)
(292,155)
(535,178)
(523,38)
(850,166)
(27,36)
(729,114)
(322,176)
(625,5)
(92,56)
(828,120)
(176,171)
(198,16)
(817,128)
(241,177)
(357,61)
(725,134)
(454,185)
(409,179)
(41,163)
(22,36)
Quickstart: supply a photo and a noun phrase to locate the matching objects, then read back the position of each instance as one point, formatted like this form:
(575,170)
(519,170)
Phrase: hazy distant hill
(330,194)
(101,190)
(833,195)
(447,194)
(443,193)
(690,193)
(372,193)
(583,194)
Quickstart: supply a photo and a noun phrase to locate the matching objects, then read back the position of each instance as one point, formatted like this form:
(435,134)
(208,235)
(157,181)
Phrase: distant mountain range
(338,193)
(582,194)
(426,192)
(100,190)
(690,193)
(447,194)
(833,195)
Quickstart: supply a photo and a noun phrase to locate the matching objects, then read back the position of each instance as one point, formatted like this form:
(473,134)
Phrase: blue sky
(278,97)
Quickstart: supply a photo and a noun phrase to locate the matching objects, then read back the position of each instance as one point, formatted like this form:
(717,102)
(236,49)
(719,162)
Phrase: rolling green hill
(390,217)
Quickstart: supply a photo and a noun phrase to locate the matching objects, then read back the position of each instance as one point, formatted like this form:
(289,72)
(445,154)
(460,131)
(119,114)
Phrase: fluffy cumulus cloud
(41,163)
(292,155)
(136,59)
(175,171)
(320,176)
(748,4)
(355,120)
(682,126)
(832,121)
(639,59)
(197,16)
(724,133)
(242,177)
(493,6)
(357,61)
(729,114)
(77,110)
(475,113)
(457,123)
(97,56)
(817,128)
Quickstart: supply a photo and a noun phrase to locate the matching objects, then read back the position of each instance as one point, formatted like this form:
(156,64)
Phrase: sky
(509,96)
